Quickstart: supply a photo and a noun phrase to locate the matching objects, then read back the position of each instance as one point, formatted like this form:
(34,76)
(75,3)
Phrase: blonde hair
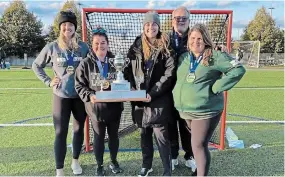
(206,39)
(161,42)
(74,42)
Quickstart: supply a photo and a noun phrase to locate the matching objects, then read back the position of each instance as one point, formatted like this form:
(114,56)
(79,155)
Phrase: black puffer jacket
(86,83)
(158,84)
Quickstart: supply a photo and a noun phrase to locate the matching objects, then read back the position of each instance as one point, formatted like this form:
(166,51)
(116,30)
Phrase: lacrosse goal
(123,25)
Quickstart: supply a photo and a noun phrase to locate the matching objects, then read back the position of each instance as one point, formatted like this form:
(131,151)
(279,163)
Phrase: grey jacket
(51,53)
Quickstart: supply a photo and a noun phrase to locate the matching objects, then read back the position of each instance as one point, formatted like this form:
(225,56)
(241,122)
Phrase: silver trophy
(119,63)
(120,88)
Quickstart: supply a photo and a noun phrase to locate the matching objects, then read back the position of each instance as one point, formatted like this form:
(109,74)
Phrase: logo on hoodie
(97,79)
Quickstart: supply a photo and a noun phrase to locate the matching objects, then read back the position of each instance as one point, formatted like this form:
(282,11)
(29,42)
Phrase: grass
(28,151)
(267,104)
(262,79)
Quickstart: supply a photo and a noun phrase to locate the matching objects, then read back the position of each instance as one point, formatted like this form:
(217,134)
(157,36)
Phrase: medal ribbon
(194,63)
(69,57)
(103,70)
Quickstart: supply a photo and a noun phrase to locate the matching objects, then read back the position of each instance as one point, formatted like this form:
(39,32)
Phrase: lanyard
(103,70)
(69,57)
(194,63)
(176,40)
(148,64)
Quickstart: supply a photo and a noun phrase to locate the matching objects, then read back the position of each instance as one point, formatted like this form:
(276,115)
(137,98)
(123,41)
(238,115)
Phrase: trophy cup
(120,88)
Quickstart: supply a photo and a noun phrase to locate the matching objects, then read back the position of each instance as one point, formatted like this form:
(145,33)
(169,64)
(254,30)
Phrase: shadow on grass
(38,161)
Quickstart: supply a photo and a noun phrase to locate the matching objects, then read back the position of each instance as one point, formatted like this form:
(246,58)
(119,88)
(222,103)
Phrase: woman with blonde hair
(202,75)
(64,54)
(152,69)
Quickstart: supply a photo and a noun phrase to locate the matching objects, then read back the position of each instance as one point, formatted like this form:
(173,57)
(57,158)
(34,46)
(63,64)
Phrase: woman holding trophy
(94,74)
(152,69)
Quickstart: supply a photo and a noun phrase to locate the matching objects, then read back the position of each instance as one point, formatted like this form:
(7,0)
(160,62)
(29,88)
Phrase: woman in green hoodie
(202,75)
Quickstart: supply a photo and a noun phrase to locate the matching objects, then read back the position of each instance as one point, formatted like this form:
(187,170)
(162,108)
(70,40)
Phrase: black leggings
(185,136)
(202,131)
(62,108)
(99,129)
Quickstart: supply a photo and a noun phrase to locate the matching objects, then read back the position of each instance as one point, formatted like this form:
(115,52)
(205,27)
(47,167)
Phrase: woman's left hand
(148,97)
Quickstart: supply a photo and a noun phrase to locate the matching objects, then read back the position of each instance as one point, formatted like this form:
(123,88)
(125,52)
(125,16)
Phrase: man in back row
(178,41)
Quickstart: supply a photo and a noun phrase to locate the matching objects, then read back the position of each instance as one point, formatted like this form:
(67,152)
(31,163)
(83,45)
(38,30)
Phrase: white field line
(18,79)
(51,124)
(255,122)
(28,125)
(259,88)
(25,89)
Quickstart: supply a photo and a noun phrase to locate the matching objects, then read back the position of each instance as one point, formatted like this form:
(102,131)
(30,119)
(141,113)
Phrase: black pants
(99,129)
(185,135)
(202,131)
(161,138)
(62,108)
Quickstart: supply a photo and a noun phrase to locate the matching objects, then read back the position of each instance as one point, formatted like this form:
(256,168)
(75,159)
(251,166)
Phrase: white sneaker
(76,168)
(191,163)
(59,172)
(174,163)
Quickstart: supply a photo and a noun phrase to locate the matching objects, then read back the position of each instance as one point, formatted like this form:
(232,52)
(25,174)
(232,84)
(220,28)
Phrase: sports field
(28,151)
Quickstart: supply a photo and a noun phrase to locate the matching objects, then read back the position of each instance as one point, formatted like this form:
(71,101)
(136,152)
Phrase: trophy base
(120,96)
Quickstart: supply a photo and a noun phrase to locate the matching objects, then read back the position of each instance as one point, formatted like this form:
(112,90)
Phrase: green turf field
(28,151)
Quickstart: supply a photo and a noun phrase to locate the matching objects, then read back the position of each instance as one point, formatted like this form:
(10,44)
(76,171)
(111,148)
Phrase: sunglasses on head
(181,18)
(98,30)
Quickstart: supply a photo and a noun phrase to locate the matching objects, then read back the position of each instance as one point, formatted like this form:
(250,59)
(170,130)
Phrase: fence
(266,59)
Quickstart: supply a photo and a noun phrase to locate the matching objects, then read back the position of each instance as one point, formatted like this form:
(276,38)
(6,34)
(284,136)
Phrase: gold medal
(70,69)
(190,78)
(106,84)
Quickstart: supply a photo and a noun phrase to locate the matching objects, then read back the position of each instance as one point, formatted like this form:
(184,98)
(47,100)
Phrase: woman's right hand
(54,82)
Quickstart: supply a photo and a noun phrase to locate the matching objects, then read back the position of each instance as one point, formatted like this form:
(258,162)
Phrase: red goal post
(219,23)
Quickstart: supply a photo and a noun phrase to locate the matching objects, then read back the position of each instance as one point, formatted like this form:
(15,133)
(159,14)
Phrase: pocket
(153,116)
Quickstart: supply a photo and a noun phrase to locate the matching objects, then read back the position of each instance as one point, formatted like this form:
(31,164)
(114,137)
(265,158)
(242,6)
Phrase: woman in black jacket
(90,74)
(152,65)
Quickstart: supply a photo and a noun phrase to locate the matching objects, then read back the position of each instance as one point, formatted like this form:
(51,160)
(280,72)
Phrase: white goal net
(247,52)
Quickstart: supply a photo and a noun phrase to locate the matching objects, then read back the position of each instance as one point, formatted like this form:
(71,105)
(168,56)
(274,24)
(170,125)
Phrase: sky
(243,11)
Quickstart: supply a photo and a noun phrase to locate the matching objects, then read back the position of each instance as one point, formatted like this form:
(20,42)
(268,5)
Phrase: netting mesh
(123,28)
(250,52)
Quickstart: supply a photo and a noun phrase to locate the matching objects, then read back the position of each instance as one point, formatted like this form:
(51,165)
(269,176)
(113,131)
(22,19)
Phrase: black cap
(67,16)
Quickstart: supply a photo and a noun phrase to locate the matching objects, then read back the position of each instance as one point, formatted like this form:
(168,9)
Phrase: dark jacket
(182,43)
(158,84)
(87,77)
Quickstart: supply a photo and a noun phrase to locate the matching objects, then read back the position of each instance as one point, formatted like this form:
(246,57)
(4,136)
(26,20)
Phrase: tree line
(21,31)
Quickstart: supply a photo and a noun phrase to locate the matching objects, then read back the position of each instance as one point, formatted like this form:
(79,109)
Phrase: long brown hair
(206,39)
(161,42)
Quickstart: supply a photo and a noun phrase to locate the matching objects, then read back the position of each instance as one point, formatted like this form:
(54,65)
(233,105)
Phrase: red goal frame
(220,146)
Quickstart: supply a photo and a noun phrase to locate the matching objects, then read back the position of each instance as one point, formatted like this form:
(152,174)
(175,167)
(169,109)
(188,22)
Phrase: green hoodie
(204,94)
